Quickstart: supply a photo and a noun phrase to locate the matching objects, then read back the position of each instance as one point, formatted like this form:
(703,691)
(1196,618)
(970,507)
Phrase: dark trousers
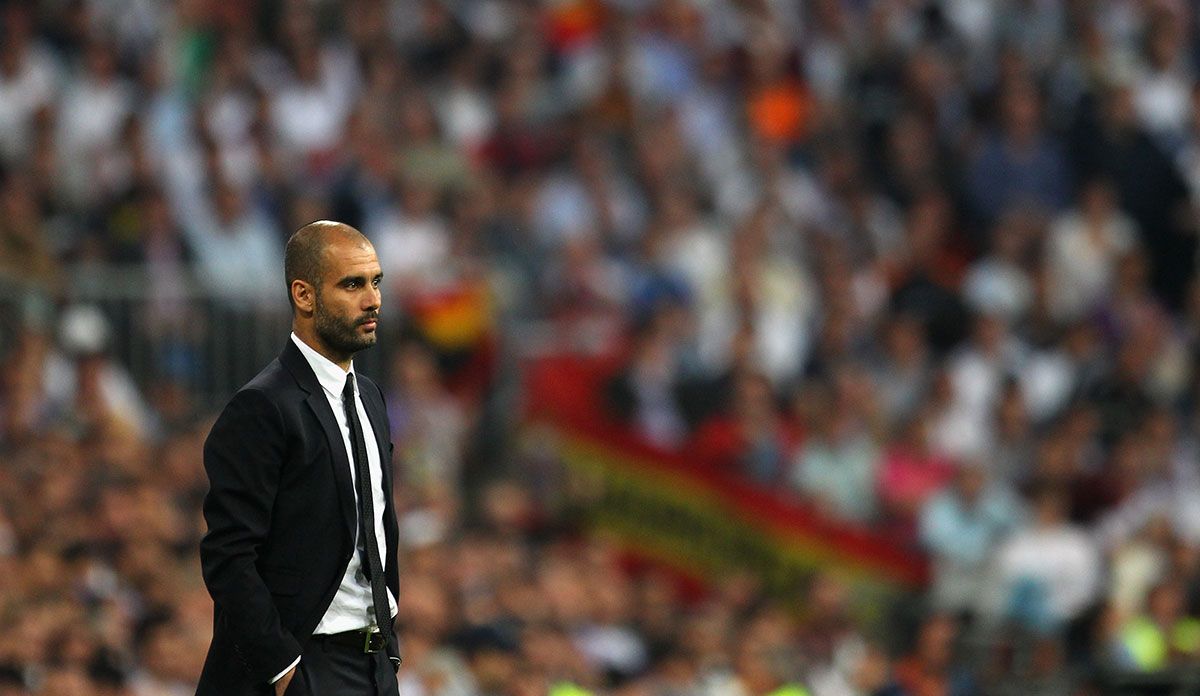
(330,669)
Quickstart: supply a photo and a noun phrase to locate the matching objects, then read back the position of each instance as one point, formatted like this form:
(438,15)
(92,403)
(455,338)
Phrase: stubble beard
(341,334)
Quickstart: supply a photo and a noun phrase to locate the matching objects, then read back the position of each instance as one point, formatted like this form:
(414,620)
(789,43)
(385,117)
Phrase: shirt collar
(331,376)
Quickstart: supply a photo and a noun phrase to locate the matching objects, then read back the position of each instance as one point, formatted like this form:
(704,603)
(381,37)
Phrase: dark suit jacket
(281,519)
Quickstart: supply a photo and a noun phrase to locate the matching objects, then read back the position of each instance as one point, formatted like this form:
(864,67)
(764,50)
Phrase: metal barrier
(168,327)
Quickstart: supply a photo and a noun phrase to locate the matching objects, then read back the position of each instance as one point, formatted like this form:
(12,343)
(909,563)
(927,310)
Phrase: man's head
(333,278)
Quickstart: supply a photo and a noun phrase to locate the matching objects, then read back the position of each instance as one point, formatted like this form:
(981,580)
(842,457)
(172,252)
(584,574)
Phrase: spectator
(28,83)
(1163,635)
(412,238)
(837,464)
(1148,186)
(1162,94)
(1082,252)
(1051,376)
(999,284)
(753,440)
(648,395)
(1048,574)
(827,636)
(1011,452)
(925,278)
(1020,165)
(911,472)
(976,377)
(310,90)
(236,245)
(87,390)
(92,110)
(904,371)
(25,256)
(930,667)
(961,528)
(429,425)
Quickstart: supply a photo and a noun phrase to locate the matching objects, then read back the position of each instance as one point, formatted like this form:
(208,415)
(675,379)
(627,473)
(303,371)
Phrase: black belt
(372,642)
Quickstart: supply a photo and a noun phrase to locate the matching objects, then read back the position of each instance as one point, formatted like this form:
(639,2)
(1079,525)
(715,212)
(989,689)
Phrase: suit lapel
(341,463)
(294,361)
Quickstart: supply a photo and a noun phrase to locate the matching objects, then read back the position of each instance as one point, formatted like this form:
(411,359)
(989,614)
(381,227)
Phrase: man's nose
(372,298)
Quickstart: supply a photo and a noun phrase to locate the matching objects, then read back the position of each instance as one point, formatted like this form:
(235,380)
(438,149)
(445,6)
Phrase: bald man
(300,554)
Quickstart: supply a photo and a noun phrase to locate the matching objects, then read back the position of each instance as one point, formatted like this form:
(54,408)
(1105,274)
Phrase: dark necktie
(369,547)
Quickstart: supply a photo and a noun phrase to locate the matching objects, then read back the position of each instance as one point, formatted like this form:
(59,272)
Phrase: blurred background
(732,347)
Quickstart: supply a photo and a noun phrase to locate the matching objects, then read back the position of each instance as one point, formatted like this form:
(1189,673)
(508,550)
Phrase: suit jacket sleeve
(243,457)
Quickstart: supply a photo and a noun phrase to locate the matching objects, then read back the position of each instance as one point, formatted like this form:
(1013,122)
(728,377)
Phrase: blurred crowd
(926,266)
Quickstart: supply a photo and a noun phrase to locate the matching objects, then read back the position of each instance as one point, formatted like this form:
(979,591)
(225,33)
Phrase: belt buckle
(368,635)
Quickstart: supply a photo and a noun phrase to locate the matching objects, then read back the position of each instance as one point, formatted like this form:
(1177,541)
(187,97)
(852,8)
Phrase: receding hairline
(322,232)
(304,256)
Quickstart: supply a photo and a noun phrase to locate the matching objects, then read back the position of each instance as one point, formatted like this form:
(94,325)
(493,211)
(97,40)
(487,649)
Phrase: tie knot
(348,390)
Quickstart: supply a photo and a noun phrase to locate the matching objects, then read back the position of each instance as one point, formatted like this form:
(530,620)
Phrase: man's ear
(304,296)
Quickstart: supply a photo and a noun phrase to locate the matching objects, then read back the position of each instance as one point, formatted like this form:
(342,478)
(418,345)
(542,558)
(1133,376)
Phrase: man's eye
(352,284)
(376,282)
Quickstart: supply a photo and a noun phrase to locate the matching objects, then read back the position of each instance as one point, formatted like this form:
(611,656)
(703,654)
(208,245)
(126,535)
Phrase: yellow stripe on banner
(682,522)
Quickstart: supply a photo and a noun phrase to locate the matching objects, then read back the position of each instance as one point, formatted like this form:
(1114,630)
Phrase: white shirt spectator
(961,535)
(309,115)
(1048,379)
(995,286)
(1080,260)
(1061,559)
(1135,568)
(707,118)
(22,94)
(1163,99)
(306,117)
(238,255)
(90,117)
(465,114)
(228,118)
(1171,500)
(564,210)
(964,428)
(85,334)
(972,19)
(410,247)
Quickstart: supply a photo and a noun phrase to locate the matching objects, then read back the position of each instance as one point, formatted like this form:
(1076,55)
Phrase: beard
(341,333)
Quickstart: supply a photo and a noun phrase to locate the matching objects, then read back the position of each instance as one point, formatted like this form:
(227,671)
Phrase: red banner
(704,521)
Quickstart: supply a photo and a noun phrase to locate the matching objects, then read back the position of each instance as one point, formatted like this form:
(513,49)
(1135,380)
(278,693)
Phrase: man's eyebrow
(357,278)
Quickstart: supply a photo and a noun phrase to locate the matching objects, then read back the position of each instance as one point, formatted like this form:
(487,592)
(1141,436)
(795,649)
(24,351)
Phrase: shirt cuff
(279,676)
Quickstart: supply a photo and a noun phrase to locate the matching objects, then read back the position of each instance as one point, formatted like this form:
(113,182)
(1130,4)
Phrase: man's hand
(282,685)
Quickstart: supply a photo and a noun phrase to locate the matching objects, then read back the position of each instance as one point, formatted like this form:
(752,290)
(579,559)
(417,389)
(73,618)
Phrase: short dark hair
(303,257)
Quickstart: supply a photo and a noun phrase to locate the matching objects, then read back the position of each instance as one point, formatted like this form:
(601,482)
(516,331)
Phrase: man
(300,554)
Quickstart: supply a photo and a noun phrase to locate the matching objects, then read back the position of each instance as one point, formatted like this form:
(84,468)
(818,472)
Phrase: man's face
(348,299)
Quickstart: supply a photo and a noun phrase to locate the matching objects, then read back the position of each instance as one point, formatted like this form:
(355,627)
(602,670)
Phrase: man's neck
(312,340)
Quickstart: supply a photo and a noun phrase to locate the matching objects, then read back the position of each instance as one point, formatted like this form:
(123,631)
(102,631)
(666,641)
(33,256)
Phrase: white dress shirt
(351,608)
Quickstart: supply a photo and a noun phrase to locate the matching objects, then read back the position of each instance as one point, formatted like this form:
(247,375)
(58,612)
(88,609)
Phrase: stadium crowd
(925,265)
